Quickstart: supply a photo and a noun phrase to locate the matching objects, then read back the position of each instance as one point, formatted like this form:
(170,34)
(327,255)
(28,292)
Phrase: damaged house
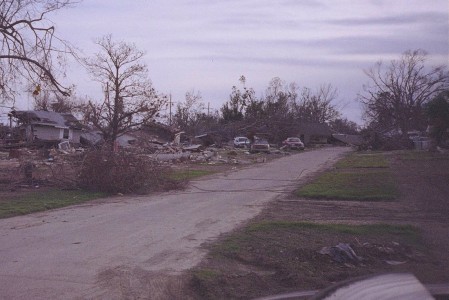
(160,133)
(47,126)
(147,136)
(313,133)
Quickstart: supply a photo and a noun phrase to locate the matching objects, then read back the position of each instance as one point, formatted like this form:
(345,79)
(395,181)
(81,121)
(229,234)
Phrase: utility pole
(208,105)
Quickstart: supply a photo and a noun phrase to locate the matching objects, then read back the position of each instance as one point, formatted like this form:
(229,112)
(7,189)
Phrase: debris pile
(341,253)
(391,253)
(58,163)
(27,167)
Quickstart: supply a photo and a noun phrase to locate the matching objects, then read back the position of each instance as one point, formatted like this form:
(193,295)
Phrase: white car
(241,142)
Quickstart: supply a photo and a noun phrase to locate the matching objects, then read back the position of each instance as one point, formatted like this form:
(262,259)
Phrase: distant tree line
(277,113)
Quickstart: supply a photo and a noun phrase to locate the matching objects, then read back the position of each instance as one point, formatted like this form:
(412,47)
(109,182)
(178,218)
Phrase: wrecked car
(241,142)
(260,146)
(293,143)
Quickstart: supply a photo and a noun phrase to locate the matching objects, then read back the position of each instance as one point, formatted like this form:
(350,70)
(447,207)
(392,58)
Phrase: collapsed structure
(46,127)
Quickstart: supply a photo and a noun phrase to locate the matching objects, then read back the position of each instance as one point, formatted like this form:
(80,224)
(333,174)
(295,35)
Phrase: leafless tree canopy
(189,113)
(130,99)
(396,92)
(58,103)
(281,109)
(317,107)
(29,47)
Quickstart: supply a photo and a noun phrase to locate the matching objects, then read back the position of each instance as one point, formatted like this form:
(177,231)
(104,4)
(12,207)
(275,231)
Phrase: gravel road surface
(108,249)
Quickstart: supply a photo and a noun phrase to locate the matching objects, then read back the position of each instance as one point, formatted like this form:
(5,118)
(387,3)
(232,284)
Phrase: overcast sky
(207,45)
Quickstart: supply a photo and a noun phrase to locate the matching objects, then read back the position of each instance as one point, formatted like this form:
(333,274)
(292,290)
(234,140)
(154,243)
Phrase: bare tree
(58,103)
(233,109)
(189,112)
(277,98)
(130,99)
(317,107)
(396,93)
(29,47)
(42,101)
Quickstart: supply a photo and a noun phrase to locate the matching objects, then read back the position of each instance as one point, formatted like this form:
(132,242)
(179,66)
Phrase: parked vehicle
(260,146)
(293,143)
(241,142)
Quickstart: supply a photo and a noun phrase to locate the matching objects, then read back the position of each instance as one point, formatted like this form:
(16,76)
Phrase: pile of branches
(123,172)
(375,140)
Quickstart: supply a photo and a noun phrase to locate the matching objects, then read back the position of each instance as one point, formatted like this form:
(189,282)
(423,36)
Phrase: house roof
(91,137)
(315,128)
(47,118)
(350,139)
(160,127)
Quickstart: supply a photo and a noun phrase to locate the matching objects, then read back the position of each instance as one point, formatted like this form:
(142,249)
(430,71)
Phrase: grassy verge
(361,186)
(359,177)
(367,229)
(423,156)
(43,200)
(363,161)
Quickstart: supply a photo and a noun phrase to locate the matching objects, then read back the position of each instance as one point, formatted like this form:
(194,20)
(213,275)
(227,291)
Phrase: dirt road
(117,248)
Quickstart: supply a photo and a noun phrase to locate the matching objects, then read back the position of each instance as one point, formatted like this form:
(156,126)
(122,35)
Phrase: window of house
(65,134)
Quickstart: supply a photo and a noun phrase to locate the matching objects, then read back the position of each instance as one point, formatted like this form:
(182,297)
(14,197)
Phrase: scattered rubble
(58,164)
(393,254)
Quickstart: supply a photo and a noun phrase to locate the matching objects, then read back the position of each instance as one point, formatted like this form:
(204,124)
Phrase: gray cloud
(304,3)
(430,17)
(358,44)
(270,60)
(380,45)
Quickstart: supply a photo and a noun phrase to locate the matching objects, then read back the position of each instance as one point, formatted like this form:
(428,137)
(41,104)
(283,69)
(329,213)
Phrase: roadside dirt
(278,261)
